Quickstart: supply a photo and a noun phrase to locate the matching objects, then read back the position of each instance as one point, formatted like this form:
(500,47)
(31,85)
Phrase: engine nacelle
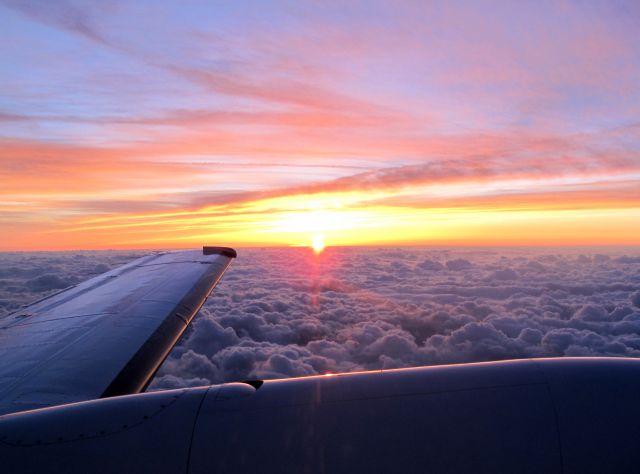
(548,415)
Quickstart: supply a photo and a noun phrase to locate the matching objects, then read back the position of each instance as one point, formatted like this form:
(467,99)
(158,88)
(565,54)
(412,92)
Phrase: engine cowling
(550,415)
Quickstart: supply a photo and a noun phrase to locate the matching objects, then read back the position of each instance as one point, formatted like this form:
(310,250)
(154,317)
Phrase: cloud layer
(286,312)
(283,312)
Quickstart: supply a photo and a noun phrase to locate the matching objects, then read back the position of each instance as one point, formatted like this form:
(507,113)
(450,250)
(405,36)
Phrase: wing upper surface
(106,336)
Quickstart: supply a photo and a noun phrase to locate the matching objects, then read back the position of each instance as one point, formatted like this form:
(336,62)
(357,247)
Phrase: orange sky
(182,124)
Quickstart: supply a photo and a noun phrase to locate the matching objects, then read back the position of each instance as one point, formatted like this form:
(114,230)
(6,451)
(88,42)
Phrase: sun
(317,243)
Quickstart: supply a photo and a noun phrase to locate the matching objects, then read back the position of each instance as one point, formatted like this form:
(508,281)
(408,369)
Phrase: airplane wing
(106,336)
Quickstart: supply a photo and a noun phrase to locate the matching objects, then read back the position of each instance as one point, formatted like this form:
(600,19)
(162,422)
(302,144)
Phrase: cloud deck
(285,312)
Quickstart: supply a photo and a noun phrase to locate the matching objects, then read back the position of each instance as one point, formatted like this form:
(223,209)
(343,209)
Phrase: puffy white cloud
(286,312)
(458,264)
(430,265)
(503,274)
(49,282)
(635,298)
(591,312)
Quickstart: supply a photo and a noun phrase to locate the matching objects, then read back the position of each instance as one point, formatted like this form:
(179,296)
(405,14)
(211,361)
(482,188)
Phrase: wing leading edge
(106,336)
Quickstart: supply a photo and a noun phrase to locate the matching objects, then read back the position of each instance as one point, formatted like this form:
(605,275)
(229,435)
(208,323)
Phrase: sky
(169,124)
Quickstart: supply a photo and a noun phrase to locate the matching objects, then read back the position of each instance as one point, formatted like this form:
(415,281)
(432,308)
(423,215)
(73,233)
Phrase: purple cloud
(283,312)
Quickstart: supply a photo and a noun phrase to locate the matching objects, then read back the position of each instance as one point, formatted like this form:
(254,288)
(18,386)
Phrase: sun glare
(317,243)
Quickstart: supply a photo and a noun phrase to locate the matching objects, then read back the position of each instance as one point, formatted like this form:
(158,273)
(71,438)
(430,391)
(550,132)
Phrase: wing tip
(226,251)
